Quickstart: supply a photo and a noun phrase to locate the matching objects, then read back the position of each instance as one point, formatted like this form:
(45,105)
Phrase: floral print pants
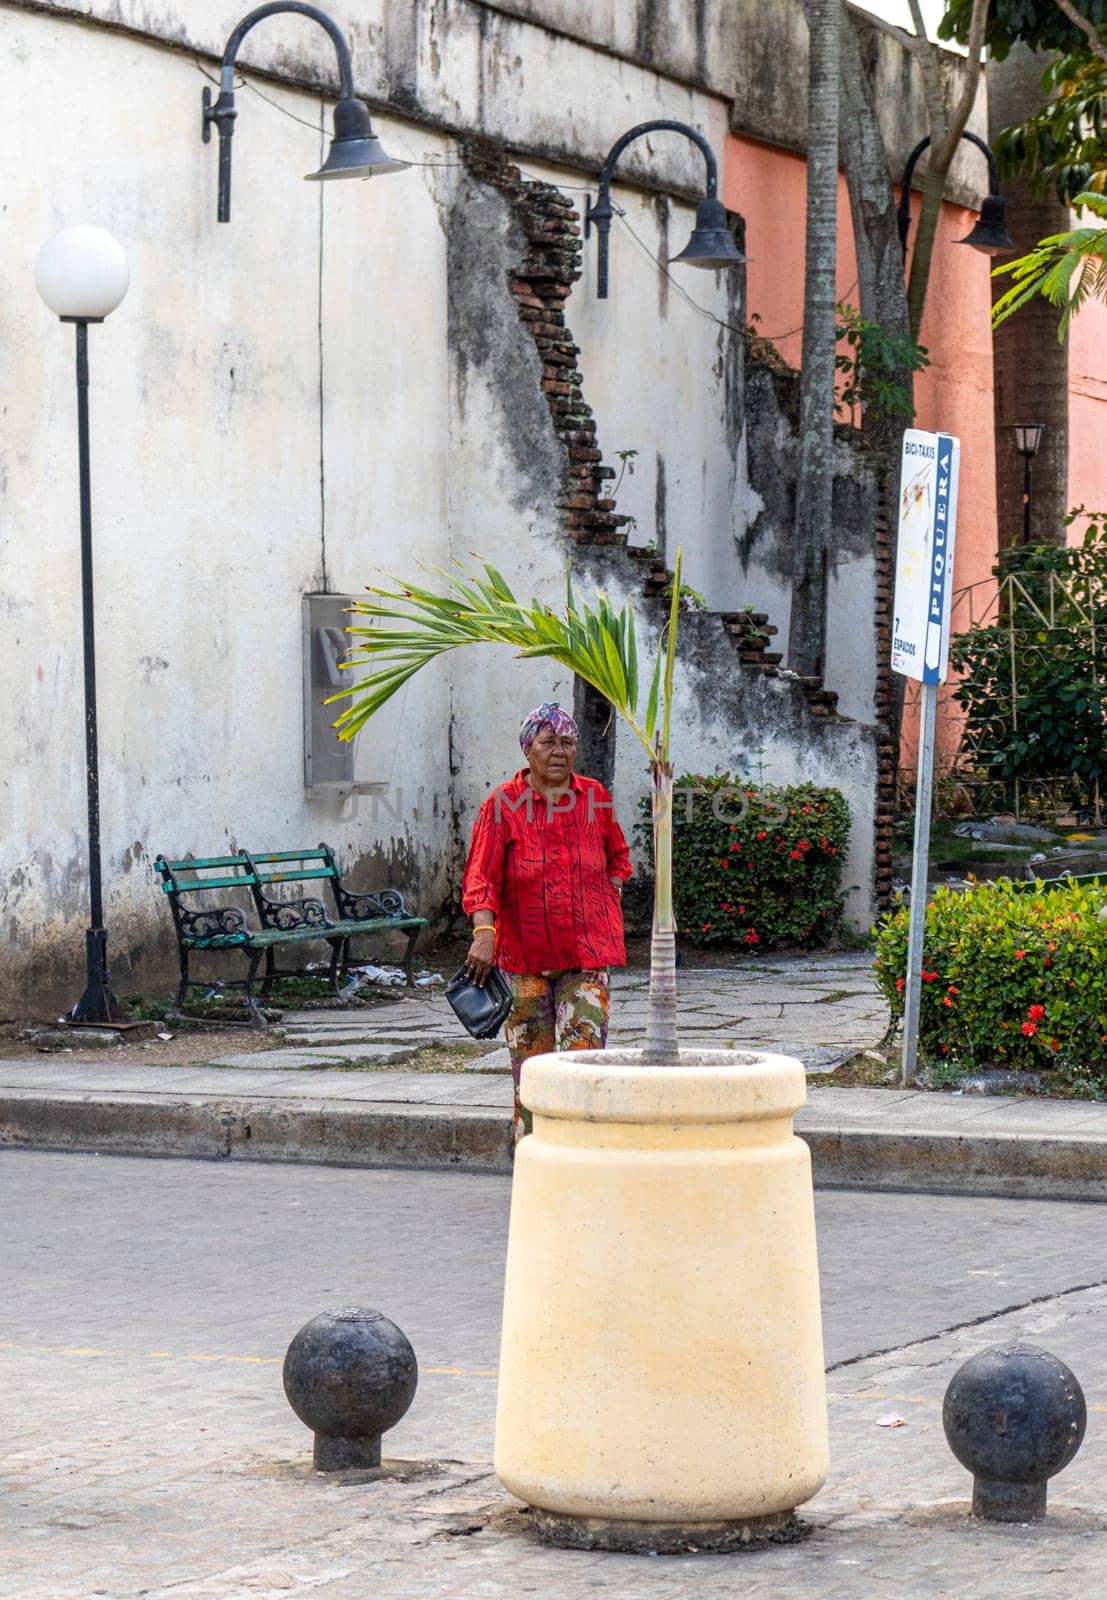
(554,1011)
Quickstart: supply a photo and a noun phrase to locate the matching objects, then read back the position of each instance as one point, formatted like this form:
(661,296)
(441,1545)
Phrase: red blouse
(544,866)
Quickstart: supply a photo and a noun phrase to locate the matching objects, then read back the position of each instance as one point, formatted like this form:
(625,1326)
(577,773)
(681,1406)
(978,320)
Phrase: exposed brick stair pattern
(541,285)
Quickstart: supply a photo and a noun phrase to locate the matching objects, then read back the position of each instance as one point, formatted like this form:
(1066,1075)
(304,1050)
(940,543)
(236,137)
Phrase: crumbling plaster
(522,71)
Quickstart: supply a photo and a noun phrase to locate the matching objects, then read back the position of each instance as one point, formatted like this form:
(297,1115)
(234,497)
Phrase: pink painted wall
(1087,412)
(954,394)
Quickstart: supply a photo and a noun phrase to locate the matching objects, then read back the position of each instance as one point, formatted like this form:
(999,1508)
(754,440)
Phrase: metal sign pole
(920,650)
(920,863)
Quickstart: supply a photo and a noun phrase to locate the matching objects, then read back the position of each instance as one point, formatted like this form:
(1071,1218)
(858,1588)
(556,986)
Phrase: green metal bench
(227,926)
(1060,869)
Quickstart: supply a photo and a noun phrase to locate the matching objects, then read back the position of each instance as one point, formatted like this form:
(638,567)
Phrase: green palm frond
(413,625)
(1067,269)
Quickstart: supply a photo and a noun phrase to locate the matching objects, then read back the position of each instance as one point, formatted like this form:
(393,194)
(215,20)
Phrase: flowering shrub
(1012,975)
(755,866)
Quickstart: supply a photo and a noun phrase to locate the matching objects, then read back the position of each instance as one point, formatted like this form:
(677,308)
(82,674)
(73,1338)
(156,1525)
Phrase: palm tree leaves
(1066,269)
(413,625)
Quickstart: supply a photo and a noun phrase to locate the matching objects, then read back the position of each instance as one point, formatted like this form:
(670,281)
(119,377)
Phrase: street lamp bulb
(82,274)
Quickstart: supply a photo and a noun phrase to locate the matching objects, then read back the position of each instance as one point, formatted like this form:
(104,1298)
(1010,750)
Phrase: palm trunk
(662,1048)
(1031,363)
(815,486)
(881,289)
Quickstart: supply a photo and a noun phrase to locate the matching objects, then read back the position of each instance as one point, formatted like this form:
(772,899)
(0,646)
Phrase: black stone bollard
(349,1375)
(1014,1415)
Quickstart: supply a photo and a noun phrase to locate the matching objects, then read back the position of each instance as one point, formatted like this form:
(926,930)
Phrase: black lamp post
(711,244)
(989,235)
(82,275)
(355,150)
(1028,437)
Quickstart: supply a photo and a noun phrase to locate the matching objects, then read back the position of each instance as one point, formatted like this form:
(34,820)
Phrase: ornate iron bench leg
(182,987)
(257,1020)
(338,962)
(270,972)
(410,956)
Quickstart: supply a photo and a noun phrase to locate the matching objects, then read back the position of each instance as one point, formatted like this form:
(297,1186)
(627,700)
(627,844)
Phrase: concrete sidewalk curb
(326,1133)
(1009,1165)
(1069,1166)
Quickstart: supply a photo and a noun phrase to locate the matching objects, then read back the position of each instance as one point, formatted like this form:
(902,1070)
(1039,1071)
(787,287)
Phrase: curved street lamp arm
(338,38)
(223,112)
(602,212)
(903,211)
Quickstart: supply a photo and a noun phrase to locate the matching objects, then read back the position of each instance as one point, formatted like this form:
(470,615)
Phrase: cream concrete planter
(661,1372)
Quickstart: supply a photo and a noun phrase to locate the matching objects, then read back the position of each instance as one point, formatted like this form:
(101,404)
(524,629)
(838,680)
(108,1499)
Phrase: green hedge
(755,866)
(1012,975)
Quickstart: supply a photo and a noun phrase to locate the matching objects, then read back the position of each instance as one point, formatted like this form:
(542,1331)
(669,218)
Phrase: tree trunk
(1031,366)
(815,487)
(947,124)
(882,292)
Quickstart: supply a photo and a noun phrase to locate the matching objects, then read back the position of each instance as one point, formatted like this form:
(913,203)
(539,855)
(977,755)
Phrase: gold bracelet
(484,927)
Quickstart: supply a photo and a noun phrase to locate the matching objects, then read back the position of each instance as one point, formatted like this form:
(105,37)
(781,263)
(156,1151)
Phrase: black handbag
(481,1011)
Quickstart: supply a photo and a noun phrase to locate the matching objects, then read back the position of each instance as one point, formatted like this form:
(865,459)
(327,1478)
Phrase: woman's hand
(481,956)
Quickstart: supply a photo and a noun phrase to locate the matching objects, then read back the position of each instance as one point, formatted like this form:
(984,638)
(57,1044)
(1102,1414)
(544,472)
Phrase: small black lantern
(1028,438)
(355,150)
(711,245)
(989,235)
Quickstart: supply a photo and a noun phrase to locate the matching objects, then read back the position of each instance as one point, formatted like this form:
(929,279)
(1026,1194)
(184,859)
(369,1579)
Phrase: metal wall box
(328,760)
(330,763)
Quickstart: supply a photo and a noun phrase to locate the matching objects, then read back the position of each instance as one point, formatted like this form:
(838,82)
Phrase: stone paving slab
(328,1055)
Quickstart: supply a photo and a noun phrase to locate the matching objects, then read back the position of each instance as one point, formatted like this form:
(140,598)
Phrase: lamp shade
(355,150)
(711,244)
(82,274)
(1028,436)
(990,235)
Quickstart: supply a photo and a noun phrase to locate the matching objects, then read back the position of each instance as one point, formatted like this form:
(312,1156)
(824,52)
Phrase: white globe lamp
(82,274)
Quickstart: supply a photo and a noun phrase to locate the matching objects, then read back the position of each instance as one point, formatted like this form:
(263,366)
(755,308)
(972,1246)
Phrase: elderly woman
(542,886)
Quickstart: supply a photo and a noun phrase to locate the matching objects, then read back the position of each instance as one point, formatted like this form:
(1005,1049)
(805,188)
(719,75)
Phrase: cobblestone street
(149,1450)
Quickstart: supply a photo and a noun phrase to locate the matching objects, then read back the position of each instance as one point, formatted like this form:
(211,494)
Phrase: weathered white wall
(525,70)
(298,400)
(237,422)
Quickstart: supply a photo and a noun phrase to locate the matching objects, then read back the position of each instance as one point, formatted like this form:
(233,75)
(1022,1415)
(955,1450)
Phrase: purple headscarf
(551,714)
